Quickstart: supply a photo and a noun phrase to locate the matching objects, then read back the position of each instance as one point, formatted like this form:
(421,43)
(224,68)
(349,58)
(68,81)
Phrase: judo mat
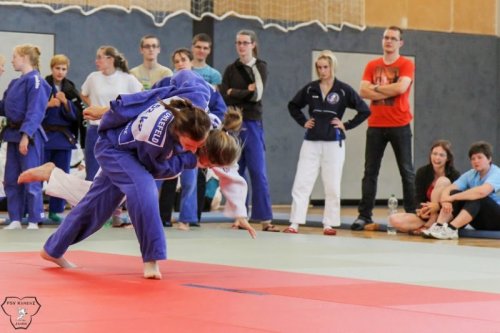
(107,293)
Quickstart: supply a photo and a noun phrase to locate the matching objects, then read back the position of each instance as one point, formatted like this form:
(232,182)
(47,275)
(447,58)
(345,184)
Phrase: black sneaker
(359,224)
(167,224)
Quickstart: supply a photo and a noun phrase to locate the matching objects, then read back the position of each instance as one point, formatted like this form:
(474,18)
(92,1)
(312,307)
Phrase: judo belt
(9,124)
(54,128)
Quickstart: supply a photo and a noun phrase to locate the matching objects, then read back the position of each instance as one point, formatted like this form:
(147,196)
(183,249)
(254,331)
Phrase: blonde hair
(59,59)
(330,57)
(2,59)
(32,52)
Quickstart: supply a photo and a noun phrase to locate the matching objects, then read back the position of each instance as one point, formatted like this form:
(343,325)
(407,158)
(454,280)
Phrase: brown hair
(481,147)
(119,59)
(33,53)
(446,145)
(189,120)
(59,59)
(184,51)
(396,28)
(202,37)
(253,38)
(143,39)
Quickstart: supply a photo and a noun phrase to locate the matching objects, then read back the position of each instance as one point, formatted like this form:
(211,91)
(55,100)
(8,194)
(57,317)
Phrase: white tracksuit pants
(327,156)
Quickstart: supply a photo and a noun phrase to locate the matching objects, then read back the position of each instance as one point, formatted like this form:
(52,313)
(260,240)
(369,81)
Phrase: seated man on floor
(473,199)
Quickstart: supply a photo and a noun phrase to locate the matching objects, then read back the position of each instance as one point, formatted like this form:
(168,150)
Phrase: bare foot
(61,262)
(151,270)
(38,174)
(183,226)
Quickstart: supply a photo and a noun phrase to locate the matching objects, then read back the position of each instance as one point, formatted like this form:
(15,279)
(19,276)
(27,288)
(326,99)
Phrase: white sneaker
(444,232)
(13,225)
(427,232)
(32,226)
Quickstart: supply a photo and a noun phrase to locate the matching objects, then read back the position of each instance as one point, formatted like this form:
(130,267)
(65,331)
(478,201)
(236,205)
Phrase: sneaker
(444,232)
(118,222)
(32,226)
(55,218)
(426,233)
(13,225)
(359,224)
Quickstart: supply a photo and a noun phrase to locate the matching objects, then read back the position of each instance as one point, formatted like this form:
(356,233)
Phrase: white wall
(10,39)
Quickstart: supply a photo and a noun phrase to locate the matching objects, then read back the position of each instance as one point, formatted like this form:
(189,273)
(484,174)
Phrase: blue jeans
(91,164)
(376,141)
(188,212)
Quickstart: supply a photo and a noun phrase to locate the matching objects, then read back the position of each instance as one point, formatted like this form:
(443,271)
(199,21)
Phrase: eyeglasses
(245,43)
(392,39)
(150,46)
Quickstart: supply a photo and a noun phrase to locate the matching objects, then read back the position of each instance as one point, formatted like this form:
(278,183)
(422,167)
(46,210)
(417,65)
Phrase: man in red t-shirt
(386,82)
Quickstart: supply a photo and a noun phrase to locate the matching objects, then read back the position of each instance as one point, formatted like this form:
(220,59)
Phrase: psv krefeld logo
(20,310)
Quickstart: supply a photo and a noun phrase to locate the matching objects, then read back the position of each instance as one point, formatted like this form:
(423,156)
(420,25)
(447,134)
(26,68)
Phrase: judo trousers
(121,175)
(27,197)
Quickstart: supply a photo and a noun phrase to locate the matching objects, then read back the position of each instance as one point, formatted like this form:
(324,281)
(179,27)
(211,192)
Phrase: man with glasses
(386,82)
(150,70)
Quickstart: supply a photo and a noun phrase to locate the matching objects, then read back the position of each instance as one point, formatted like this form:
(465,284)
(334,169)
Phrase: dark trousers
(167,196)
(377,139)
(485,212)
(167,199)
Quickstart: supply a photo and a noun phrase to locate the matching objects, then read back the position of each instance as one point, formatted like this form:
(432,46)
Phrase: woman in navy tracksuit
(323,147)
(242,86)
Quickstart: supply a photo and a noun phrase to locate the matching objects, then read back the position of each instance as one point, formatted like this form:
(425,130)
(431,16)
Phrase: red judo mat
(108,294)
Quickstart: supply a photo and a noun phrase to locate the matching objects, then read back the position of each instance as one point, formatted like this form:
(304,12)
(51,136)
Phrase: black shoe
(359,224)
(197,224)
(167,224)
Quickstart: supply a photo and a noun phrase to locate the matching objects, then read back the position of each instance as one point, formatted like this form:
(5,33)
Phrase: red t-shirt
(392,111)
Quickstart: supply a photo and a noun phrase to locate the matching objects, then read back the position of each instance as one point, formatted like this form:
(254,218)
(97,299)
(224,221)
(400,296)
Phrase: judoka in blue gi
(24,103)
(60,124)
(140,139)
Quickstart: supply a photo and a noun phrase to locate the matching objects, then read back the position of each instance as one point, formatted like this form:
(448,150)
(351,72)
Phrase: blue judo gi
(134,148)
(58,123)
(24,103)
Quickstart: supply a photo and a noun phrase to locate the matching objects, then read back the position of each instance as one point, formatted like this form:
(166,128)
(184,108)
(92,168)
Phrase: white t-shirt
(102,89)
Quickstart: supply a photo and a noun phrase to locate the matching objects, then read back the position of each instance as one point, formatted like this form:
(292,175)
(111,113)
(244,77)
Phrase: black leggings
(485,212)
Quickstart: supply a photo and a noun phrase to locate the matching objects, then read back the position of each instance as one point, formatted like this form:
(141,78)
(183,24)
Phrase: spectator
(60,123)
(243,86)
(386,82)
(324,142)
(24,104)
(99,89)
(430,182)
(472,199)
(150,71)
